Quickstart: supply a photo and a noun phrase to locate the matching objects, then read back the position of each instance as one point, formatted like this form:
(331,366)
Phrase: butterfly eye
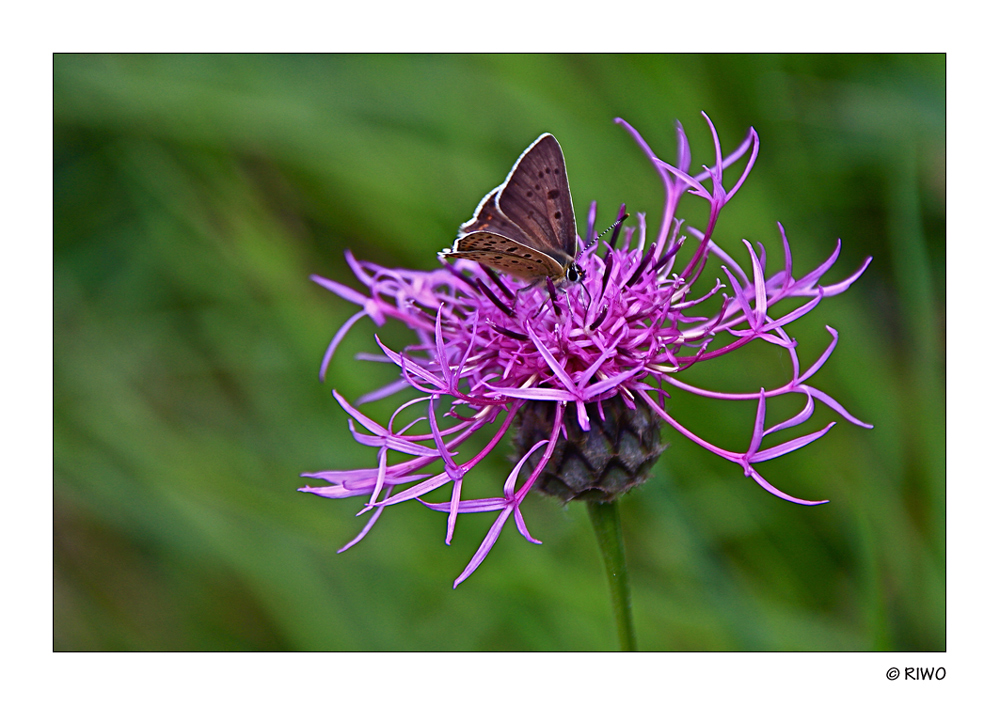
(574,273)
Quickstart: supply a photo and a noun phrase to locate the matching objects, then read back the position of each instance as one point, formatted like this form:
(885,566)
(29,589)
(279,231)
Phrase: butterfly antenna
(613,225)
(616,226)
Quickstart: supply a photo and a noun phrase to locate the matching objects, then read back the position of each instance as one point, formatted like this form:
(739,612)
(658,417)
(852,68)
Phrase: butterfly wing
(489,217)
(525,226)
(535,198)
(508,255)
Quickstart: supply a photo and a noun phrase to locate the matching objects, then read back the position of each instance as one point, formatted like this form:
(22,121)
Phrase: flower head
(560,362)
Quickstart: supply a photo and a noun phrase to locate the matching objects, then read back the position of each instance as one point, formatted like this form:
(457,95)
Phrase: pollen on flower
(575,377)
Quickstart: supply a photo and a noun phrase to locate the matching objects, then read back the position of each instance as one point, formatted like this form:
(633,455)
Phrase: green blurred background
(195,194)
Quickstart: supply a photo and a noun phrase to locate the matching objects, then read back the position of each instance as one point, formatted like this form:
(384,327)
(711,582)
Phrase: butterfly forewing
(536,197)
(489,217)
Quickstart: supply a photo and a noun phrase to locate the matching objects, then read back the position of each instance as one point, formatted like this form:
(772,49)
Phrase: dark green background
(195,194)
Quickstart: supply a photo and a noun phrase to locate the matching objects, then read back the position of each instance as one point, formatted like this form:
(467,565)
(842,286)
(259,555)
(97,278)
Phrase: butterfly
(526,226)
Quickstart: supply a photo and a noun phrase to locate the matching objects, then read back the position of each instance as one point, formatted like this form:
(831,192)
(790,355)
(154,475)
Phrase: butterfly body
(526,226)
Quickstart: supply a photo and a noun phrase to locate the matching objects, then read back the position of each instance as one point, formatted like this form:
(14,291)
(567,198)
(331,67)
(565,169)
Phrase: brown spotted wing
(526,226)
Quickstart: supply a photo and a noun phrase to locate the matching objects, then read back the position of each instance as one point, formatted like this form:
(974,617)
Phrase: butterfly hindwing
(519,261)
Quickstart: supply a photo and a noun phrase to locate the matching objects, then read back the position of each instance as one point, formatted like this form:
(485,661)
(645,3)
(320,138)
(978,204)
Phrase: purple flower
(488,350)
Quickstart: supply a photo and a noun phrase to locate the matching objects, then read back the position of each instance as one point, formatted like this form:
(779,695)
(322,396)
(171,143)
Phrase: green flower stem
(608,527)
